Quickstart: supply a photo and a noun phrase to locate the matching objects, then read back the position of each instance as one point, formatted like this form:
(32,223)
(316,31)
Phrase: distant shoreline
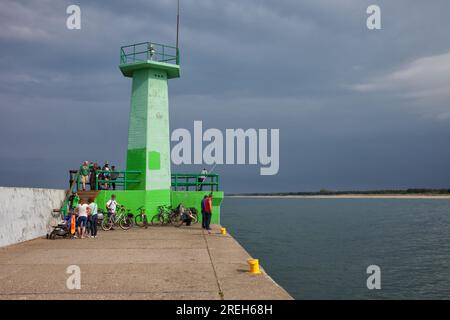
(348,196)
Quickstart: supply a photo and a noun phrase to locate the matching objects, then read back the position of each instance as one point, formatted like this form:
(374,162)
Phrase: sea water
(321,248)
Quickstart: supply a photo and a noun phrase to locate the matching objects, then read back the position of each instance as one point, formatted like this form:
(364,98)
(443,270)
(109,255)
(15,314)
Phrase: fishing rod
(215,164)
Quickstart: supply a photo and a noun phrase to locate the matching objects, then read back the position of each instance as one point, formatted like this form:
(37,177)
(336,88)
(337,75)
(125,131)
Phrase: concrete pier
(153,263)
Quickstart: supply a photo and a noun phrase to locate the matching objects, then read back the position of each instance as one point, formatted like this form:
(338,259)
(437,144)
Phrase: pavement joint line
(125,248)
(221,295)
(103,292)
(81,264)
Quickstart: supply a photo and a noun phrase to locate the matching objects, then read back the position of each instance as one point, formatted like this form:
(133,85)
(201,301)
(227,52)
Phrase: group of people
(85,215)
(89,174)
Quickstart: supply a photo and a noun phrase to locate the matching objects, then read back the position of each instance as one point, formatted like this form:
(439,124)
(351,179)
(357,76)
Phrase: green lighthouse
(147,181)
(150,65)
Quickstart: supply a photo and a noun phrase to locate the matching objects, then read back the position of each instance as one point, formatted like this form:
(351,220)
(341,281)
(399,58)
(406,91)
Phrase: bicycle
(121,218)
(130,219)
(163,215)
(141,218)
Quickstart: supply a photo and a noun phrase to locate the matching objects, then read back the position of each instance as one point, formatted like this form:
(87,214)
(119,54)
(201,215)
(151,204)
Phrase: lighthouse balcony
(150,55)
(149,51)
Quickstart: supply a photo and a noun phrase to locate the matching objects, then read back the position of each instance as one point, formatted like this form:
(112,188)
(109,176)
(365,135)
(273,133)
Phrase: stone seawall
(26,213)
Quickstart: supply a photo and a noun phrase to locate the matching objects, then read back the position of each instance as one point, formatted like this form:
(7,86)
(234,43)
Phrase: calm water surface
(320,248)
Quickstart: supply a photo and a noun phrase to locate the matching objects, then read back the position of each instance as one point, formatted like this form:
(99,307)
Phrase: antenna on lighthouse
(178,21)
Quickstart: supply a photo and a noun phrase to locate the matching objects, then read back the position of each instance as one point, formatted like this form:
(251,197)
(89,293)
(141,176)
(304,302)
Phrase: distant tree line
(348,192)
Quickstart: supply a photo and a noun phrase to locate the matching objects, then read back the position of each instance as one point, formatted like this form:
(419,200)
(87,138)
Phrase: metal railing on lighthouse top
(149,51)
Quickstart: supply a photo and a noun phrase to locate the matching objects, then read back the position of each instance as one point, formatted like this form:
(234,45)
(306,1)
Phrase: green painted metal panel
(136,162)
(154,160)
(133,199)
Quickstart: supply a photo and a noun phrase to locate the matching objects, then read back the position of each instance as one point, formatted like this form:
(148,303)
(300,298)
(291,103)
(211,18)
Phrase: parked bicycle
(141,218)
(163,215)
(123,218)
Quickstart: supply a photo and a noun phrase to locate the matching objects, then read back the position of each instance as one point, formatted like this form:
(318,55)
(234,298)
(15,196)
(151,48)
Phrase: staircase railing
(73,183)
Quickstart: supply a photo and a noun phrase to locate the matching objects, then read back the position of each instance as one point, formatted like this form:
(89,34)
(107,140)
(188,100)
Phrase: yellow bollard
(254,266)
(223,231)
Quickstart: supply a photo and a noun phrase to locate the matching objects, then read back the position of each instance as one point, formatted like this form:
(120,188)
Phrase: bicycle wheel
(139,220)
(107,224)
(145,221)
(178,221)
(142,221)
(155,220)
(194,214)
(126,223)
(165,218)
(175,219)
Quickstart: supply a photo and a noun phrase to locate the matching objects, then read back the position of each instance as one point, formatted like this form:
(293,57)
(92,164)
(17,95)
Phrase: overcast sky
(356,109)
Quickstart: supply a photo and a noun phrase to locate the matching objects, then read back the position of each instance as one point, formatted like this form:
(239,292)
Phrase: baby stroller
(62,229)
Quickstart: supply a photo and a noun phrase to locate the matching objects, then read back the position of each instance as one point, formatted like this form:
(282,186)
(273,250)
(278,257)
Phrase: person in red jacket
(208,211)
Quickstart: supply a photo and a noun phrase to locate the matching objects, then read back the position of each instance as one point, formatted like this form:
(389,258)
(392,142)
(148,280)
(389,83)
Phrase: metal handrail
(183,180)
(124,181)
(161,53)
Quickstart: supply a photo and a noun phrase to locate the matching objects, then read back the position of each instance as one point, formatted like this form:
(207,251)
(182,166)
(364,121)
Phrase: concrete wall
(26,213)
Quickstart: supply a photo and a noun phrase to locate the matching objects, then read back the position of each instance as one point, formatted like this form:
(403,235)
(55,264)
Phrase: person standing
(106,176)
(83,211)
(100,177)
(203,212)
(111,206)
(114,175)
(88,229)
(94,217)
(84,174)
(202,178)
(208,212)
(92,176)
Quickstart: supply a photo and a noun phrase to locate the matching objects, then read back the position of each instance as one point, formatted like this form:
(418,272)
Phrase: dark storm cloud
(355,108)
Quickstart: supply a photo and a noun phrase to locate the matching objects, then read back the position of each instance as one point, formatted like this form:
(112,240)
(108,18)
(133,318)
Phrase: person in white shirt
(83,211)
(111,206)
(202,178)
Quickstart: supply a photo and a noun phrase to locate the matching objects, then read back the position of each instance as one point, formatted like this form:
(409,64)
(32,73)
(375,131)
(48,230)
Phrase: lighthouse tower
(150,65)
(147,182)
